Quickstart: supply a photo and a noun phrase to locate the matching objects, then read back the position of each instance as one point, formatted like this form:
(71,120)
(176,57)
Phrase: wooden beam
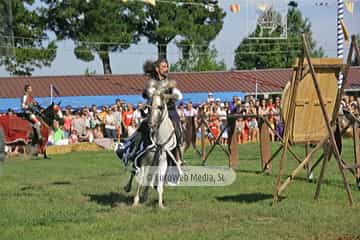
(290,113)
(327,120)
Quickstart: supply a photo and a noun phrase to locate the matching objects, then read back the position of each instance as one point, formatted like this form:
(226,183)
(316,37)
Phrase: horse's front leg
(137,196)
(127,187)
(140,182)
(161,179)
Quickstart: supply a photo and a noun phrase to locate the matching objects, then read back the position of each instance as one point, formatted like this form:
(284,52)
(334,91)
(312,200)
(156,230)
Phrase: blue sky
(236,27)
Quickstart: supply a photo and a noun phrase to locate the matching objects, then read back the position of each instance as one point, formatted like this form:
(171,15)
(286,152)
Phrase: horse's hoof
(136,205)
(162,207)
(127,189)
(311,177)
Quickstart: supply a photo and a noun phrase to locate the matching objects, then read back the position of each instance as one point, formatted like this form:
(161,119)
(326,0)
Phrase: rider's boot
(37,127)
(137,140)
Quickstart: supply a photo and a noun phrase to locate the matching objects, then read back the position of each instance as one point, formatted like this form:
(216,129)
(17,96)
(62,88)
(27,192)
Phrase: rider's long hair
(149,67)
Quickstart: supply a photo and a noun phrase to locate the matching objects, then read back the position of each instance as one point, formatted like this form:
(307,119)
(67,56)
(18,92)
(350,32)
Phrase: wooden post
(327,121)
(203,153)
(282,140)
(189,132)
(330,124)
(232,142)
(302,164)
(289,117)
(356,48)
(317,162)
(307,166)
(233,159)
(265,151)
(322,173)
(356,125)
(356,133)
(190,135)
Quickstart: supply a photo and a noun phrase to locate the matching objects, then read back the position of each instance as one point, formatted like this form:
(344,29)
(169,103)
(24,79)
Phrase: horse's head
(53,112)
(158,106)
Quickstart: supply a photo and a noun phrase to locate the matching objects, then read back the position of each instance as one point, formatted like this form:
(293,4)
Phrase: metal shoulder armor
(150,87)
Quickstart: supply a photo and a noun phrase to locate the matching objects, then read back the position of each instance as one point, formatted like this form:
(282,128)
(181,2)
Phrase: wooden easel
(266,157)
(231,151)
(330,123)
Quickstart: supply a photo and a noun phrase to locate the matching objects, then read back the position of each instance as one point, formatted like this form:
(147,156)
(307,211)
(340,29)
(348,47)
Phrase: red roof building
(268,81)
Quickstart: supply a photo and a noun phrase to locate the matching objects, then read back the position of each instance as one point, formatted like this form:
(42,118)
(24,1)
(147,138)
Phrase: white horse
(153,161)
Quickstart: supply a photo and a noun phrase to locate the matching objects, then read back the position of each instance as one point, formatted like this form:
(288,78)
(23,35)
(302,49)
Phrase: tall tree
(265,53)
(199,61)
(190,23)
(30,46)
(96,26)
(6,33)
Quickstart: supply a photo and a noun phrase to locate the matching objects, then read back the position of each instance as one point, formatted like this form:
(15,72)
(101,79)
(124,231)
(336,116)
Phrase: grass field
(78,196)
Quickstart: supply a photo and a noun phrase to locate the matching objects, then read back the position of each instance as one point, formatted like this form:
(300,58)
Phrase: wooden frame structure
(230,151)
(330,121)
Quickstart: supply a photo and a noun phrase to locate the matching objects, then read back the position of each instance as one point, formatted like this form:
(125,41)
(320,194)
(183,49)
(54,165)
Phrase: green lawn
(78,196)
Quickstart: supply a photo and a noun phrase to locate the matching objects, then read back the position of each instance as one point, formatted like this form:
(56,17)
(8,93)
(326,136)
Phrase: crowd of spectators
(90,124)
(119,121)
(247,123)
(352,104)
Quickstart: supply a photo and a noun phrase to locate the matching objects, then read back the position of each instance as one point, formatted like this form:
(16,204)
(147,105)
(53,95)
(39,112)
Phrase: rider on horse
(30,106)
(159,84)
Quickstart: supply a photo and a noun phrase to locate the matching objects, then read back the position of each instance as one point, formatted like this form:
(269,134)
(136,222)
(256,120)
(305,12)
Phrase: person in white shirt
(138,117)
(221,112)
(190,111)
(110,125)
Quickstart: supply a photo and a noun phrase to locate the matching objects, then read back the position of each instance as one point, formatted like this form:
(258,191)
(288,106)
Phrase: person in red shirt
(128,117)
(214,129)
(29,106)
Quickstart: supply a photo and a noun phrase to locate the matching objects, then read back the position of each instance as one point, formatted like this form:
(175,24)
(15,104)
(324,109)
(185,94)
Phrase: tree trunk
(162,50)
(185,52)
(106,63)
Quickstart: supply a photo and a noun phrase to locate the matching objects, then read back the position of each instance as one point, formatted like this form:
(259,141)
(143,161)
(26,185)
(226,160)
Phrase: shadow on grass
(249,171)
(338,183)
(246,197)
(27,188)
(110,199)
(61,183)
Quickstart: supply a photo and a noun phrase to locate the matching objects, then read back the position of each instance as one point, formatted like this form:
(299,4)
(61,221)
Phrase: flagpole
(256,85)
(340,35)
(256,89)
(51,93)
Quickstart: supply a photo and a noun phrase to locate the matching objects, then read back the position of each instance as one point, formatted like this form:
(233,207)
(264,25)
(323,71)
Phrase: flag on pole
(345,31)
(235,8)
(151,2)
(349,4)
